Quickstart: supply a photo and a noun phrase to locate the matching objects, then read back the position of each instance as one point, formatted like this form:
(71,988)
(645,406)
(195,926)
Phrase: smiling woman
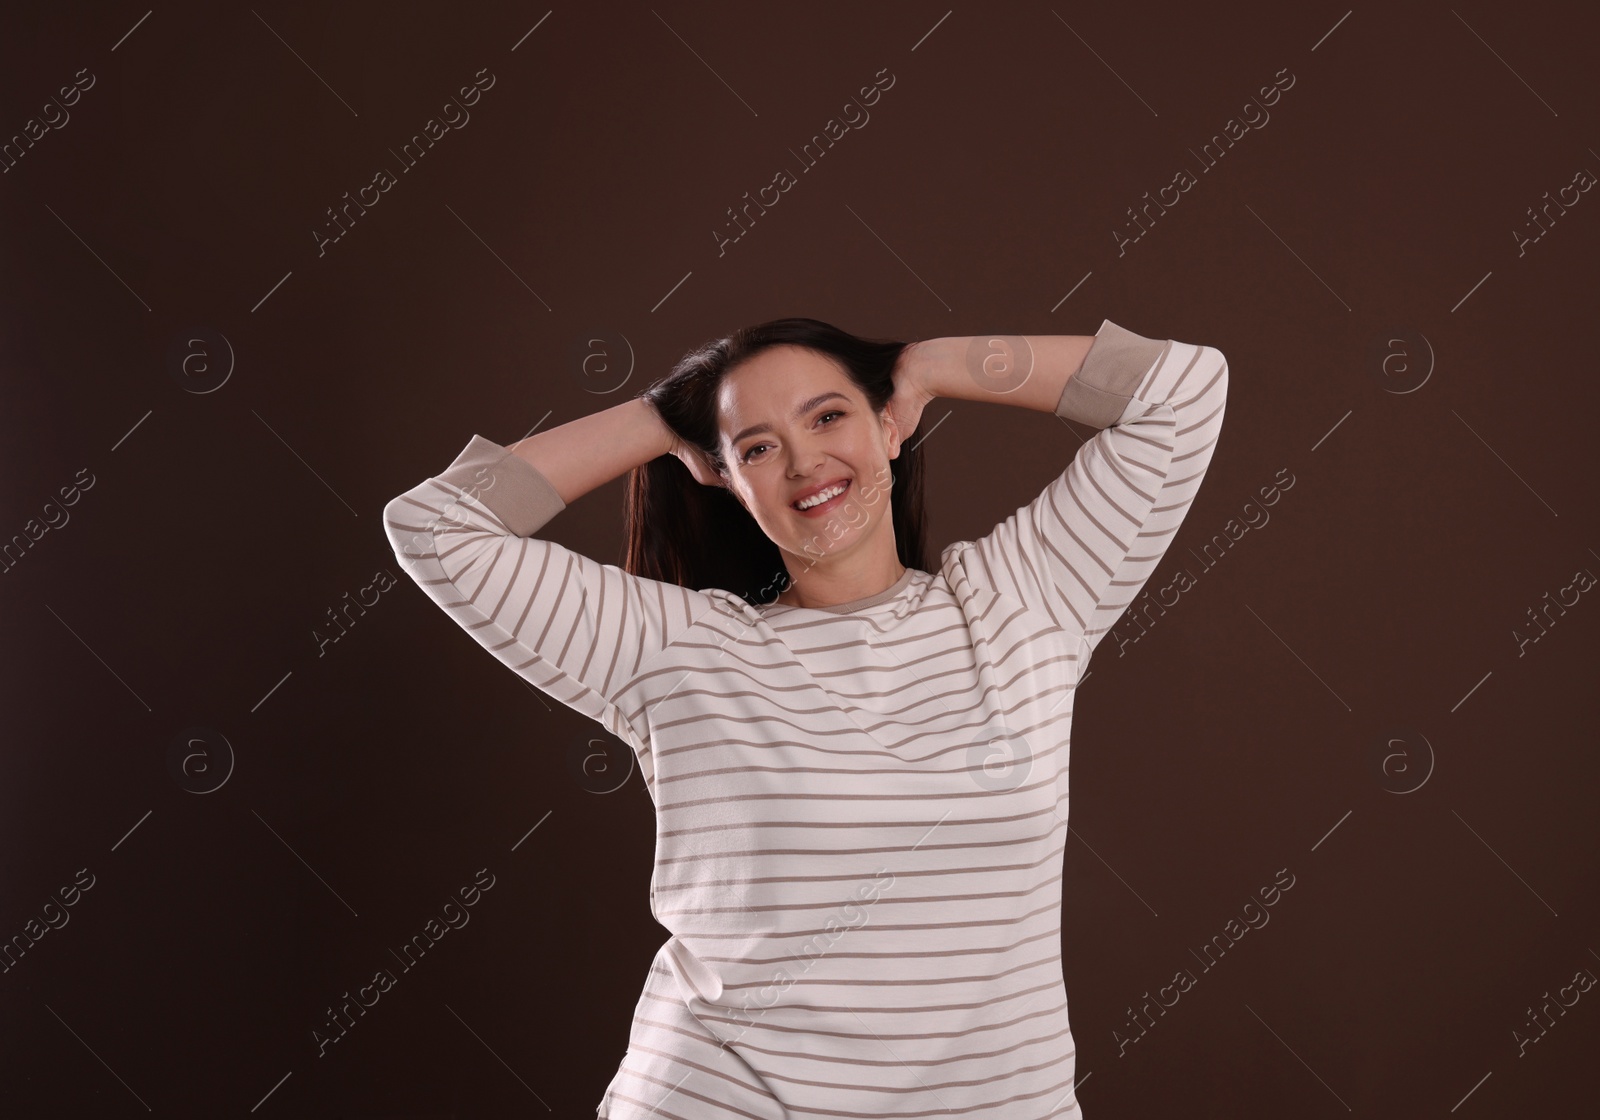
(770,419)
(791,466)
(883,729)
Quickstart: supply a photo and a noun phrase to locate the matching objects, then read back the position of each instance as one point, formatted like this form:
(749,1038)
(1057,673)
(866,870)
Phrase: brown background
(349,789)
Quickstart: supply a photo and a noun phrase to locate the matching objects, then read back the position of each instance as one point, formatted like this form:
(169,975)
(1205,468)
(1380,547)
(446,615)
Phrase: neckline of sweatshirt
(775,610)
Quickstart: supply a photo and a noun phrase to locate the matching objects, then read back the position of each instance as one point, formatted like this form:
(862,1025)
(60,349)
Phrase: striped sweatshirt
(861,809)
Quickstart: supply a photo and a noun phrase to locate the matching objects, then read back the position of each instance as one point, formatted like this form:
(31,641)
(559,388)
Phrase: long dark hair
(680,531)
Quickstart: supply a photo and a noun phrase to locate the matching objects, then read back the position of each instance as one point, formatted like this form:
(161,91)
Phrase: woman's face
(792,425)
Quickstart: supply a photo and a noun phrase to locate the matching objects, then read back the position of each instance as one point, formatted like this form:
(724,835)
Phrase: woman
(860,769)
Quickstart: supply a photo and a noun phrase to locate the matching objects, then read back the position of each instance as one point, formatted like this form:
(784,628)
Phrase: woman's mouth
(831,497)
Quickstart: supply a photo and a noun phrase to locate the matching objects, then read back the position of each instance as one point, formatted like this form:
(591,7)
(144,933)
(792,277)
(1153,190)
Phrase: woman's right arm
(578,630)
(585,454)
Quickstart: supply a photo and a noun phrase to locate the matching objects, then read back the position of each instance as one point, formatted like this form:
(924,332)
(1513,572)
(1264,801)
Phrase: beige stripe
(752,671)
(851,1060)
(744,935)
(886,900)
(679,1089)
(743,826)
(842,954)
(918,982)
(683,695)
(1054,853)
(900,771)
(920,1088)
(806,736)
(892,1036)
(874,850)
(845,798)
(909,1009)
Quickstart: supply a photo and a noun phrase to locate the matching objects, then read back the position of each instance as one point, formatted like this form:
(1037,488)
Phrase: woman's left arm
(1027,370)
(1082,550)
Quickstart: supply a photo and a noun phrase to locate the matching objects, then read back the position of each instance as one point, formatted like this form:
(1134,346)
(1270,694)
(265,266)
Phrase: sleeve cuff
(1111,372)
(505,483)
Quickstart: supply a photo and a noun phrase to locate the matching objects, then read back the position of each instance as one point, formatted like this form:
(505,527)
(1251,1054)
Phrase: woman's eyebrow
(805,407)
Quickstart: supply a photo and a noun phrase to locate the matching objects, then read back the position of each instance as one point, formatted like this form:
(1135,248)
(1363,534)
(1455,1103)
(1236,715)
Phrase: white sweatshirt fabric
(861,809)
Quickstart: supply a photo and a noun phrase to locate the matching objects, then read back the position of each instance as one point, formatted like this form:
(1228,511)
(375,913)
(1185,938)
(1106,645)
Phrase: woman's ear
(891,431)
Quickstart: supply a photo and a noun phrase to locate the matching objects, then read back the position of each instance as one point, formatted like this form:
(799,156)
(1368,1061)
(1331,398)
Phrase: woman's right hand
(697,461)
(692,457)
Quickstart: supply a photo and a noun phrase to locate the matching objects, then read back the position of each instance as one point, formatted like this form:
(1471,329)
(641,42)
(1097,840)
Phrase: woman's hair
(680,531)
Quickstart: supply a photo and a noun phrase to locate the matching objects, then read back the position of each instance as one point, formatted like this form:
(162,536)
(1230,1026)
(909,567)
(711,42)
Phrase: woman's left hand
(911,392)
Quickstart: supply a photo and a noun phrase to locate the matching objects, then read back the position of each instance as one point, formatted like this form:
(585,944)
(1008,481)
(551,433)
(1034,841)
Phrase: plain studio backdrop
(267,267)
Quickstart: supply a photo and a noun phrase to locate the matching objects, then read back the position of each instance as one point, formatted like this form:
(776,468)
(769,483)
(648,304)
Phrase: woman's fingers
(910,397)
(699,465)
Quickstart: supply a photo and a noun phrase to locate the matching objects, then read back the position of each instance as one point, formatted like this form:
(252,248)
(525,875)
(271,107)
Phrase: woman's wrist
(937,365)
(1026,370)
(665,441)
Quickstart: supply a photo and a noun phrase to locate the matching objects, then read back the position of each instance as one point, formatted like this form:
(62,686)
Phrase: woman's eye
(751,450)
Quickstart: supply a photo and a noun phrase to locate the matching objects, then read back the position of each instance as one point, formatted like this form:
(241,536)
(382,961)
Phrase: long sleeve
(1081,551)
(579,630)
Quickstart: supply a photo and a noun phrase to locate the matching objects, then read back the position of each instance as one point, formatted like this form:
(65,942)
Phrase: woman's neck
(820,586)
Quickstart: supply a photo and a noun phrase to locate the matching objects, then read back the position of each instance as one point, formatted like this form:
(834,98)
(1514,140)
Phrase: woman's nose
(803,462)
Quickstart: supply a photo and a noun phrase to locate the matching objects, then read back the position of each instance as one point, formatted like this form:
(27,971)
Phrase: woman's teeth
(818,499)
